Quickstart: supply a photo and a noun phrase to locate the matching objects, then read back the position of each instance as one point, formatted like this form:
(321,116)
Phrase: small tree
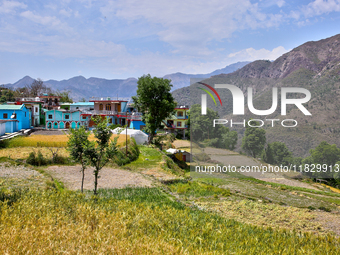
(77,145)
(254,140)
(155,102)
(101,151)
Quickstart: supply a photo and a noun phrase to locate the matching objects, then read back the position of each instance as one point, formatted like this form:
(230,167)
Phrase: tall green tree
(102,150)
(229,139)
(155,102)
(201,126)
(254,140)
(277,153)
(325,153)
(78,145)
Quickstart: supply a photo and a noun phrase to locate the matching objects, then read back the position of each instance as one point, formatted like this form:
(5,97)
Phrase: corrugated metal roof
(10,107)
(83,103)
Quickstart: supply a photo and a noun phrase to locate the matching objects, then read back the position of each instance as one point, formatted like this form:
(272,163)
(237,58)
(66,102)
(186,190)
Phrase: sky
(129,38)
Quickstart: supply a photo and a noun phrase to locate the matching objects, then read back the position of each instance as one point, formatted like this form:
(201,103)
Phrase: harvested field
(109,177)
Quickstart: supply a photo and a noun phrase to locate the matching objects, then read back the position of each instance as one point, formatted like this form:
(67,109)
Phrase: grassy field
(137,221)
(50,140)
(20,147)
(206,215)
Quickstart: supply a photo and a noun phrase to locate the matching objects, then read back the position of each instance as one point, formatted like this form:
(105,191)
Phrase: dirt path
(109,177)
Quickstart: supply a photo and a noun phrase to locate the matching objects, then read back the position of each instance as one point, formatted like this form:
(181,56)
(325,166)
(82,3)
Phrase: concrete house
(15,113)
(178,121)
(114,109)
(34,104)
(64,119)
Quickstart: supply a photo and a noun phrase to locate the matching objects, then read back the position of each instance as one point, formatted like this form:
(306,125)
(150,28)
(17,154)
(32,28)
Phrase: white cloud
(9,6)
(280,3)
(191,25)
(251,54)
(319,7)
(67,13)
(43,20)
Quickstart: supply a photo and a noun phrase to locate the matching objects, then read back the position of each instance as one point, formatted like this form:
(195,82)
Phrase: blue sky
(129,38)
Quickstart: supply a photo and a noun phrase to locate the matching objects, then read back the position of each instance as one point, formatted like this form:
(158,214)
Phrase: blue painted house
(15,113)
(64,119)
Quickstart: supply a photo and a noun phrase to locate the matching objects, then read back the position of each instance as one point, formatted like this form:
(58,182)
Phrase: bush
(36,160)
(132,153)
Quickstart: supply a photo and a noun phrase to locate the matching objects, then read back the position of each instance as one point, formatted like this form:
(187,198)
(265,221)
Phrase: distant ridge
(81,87)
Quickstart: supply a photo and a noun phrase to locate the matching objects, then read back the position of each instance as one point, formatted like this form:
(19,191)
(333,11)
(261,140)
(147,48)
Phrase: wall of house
(56,119)
(11,126)
(22,115)
(137,124)
(115,106)
(2,128)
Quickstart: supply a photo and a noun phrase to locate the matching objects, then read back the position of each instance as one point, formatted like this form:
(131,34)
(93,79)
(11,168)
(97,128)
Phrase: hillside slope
(314,66)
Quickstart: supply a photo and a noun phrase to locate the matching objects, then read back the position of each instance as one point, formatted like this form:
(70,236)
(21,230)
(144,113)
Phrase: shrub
(36,160)
(132,154)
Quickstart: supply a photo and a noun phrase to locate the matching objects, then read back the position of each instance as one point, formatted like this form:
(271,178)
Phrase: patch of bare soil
(329,221)
(20,176)
(160,175)
(21,172)
(181,143)
(109,177)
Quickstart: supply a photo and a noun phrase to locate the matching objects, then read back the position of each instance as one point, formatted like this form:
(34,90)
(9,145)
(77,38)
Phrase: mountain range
(314,66)
(80,87)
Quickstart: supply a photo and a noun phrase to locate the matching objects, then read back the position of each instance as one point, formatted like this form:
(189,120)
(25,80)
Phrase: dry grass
(267,215)
(23,152)
(181,143)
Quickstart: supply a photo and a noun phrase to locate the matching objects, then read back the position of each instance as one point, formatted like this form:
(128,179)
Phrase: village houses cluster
(47,112)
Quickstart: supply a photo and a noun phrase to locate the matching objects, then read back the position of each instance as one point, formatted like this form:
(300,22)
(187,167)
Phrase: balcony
(92,99)
(95,112)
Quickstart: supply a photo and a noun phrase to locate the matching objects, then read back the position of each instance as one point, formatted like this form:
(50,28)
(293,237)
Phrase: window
(180,114)
(84,117)
(108,107)
(25,114)
(50,116)
(100,107)
(110,120)
(67,117)
(179,124)
(5,116)
(36,109)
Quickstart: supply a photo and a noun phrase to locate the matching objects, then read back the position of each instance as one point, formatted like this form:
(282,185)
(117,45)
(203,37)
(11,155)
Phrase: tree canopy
(154,101)
(277,153)
(201,128)
(254,140)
